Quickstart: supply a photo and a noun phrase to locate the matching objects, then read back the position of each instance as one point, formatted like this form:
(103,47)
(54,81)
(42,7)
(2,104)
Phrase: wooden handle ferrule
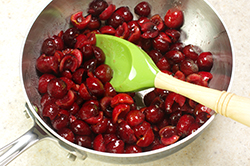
(222,105)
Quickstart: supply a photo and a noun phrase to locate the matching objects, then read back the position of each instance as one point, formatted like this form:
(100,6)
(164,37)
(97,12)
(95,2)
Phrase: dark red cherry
(205,61)
(104,73)
(79,127)
(43,82)
(57,88)
(67,134)
(96,7)
(115,20)
(84,141)
(142,9)
(69,37)
(125,13)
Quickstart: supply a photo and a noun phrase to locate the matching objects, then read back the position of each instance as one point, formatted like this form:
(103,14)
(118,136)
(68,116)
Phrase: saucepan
(203,27)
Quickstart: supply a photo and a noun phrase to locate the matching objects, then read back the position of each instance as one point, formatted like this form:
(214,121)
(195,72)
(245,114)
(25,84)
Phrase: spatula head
(133,69)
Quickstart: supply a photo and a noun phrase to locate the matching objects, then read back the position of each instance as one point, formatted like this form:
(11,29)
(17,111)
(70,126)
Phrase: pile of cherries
(84,108)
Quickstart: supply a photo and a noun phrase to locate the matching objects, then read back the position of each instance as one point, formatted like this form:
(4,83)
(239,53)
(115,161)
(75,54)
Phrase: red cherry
(51,111)
(188,67)
(115,20)
(163,64)
(205,61)
(104,73)
(158,21)
(47,99)
(98,143)
(95,86)
(43,82)
(154,114)
(96,7)
(111,129)
(115,146)
(67,101)
(120,111)
(183,124)
(193,127)
(142,9)
(190,52)
(99,55)
(126,133)
(202,117)
(149,30)
(121,98)
(79,21)
(84,141)
(88,110)
(84,93)
(69,37)
(79,127)
(196,79)
(125,13)
(94,23)
(87,51)
(175,56)
(107,12)
(133,149)
(173,34)
(57,88)
(146,139)
(122,31)
(61,121)
(69,62)
(174,18)
(100,127)
(105,106)
(47,64)
(168,135)
(149,97)
(67,134)
(107,30)
(51,45)
(155,55)
(135,117)
(161,43)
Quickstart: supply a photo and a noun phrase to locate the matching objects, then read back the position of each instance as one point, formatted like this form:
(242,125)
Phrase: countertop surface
(224,142)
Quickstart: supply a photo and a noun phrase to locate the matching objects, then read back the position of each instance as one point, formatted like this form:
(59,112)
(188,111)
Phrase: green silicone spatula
(134,70)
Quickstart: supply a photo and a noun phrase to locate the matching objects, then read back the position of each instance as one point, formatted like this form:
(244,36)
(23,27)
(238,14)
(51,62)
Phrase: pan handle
(15,148)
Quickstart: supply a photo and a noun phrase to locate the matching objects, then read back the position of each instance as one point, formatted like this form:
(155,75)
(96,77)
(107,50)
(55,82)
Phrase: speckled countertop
(225,142)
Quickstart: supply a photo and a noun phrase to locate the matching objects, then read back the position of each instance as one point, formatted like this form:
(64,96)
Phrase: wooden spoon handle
(222,102)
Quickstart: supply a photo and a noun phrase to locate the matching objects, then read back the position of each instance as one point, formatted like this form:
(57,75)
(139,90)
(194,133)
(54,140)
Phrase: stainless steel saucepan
(202,27)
